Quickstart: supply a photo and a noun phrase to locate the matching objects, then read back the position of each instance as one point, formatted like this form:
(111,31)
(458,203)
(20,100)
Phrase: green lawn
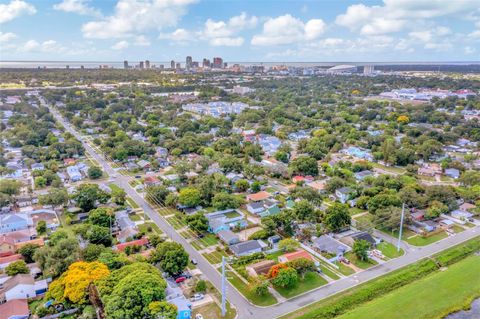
(360,263)
(213,311)
(266,300)
(423,241)
(431,297)
(457,229)
(311,281)
(328,272)
(136,217)
(232,214)
(275,255)
(389,250)
(149,225)
(132,203)
(344,270)
(215,257)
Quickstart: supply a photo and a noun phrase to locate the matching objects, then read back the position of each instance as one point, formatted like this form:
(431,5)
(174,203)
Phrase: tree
(40,182)
(256,186)
(198,222)
(119,196)
(304,165)
(222,201)
(383,200)
(436,209)
(403,119)
(288,244)
(10,187)
(360,249)
(201,286)
(73,283)
(304,211)
(444,194)
(470,178)
(27,251)
(128,291)
(302,266)
(242,185)
(275,269)
(17,267)
(92,251)
(189,197)
(55,259)
(158,192)
(163,309)
(99,235)
(286,278)
(94,172)
(86,196)
(41,227)
(101,216)
(171,257)
(113,260)
(388,218)
(259,285)
(337,217)
(55,197)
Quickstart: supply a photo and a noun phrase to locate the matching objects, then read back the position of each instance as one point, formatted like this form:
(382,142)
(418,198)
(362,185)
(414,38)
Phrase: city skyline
(158,30)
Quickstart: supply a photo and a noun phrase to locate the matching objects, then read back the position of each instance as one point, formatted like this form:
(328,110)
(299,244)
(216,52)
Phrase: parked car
(197,297)
(198,316)
(194,261)
(187,275)
(180,279)
(138,176)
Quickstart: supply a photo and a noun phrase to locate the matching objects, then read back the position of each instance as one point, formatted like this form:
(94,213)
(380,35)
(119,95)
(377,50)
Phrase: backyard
(311,281)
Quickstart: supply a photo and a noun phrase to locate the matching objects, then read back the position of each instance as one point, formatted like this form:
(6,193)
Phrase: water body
(473,313)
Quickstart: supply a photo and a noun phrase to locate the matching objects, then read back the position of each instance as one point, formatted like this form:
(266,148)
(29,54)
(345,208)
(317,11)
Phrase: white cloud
(131,17)
(15,9)
(475,34)
(469,50)
(6,37)
(28,46)
(287,29)
(142,41)
(77,6)
(179,35)
(120,45)
(227,41)
(45,46)
(395,15)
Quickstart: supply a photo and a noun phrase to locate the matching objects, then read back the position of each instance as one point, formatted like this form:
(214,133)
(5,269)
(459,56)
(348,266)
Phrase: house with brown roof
(7,260)
(294,255)
(14,309)
(7,246)
(260,268)
(138,242)
(262,195)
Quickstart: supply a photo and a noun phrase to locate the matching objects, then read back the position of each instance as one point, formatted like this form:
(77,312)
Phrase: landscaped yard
(213,311)
(145,227)
(265,300)
(215,257)
(423,241)
(344,270)
(431,297)
(232,214)
(389,250)
(311,281)
(457,229)
(328,272)
(360,263)
(275,255)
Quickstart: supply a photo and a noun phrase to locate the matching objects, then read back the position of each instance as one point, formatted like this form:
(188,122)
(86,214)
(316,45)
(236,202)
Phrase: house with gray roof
(247,247)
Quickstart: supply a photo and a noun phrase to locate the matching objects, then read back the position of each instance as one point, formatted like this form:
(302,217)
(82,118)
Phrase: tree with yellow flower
(403,119)
(73,283)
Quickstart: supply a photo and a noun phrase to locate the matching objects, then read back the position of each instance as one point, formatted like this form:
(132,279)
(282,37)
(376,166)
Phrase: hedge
(346,301)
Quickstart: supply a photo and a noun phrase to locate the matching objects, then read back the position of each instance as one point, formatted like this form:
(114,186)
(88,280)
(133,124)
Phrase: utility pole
(401,227)
(224,287)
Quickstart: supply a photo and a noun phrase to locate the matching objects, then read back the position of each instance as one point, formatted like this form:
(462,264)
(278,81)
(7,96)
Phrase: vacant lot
(431,297)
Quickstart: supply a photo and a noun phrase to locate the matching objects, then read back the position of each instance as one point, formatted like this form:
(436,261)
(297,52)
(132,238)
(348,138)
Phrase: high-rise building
(147,64)
(217,63)
(178,66)
(206,63)
(161,67)
(188,62)
(172,64)
(125,64)
(368,69)
(141,64)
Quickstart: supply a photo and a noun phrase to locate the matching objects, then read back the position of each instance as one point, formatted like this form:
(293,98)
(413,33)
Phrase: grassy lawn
(232,214)
(136,217)
(423,241)
(457,229)
(431,297)
(344,270)
(355,210)
(176,223)
(389,250)
(213,311)
(215,257)
(209,240)
(266,300)
(132,203)
(311,281)
(275,255)
(360,263)
(149,225)
(328,272)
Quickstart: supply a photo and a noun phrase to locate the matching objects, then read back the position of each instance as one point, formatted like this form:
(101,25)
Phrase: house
(343,194)
(7,260)
(143,164)
(452,172)
(274,240)
(329,245)
(418,215)
(262,195)
(466,207)
(37,167)
(138,242)
(69,161)
(461,215)
(161,152)
(175,296)
(269,144)
(74,174)
(294,255)
(22,286)
(228,237)
(7,246)
(234,177)
(358,153)
(162,162)
(319,186)
(225,220)
(260,268)
(15,309)
(430,169)
(14,222)
(247,247)
(446,223)
(360,176)
(127,227)
(429,225)
(362,235)
(263,208)
(151,181)
(131,166)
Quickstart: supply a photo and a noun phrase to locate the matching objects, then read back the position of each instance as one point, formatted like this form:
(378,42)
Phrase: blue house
(225,220)
(343,194)
(14,222)
(358,153)
(361,175)
(175,296)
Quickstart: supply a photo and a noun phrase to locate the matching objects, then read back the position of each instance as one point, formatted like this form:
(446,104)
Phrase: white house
(21,286)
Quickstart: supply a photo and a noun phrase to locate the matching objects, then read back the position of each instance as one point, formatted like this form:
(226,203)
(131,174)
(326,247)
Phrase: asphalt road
(244,308)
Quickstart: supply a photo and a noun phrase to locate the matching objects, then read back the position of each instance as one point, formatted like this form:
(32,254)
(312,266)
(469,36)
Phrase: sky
(240,30)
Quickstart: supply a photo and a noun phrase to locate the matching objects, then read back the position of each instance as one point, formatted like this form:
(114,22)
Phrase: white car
(197,297)
(198,316)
